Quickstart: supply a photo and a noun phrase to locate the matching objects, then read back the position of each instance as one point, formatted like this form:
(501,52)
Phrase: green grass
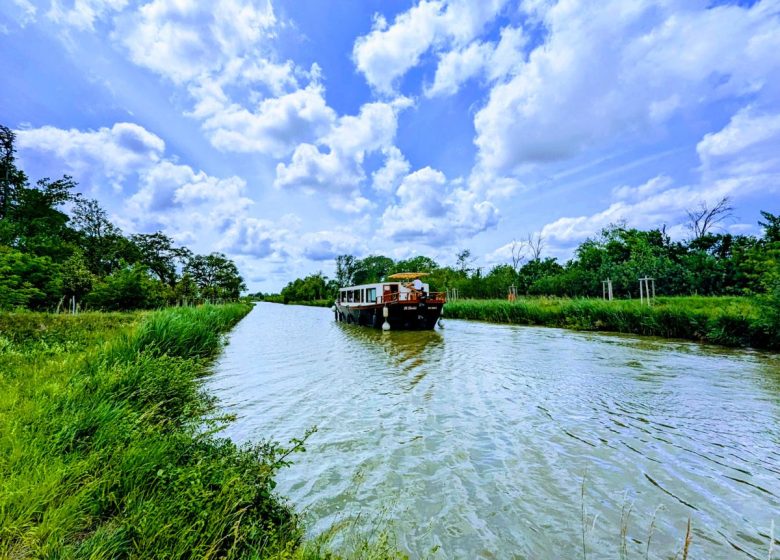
(103,450)
(109,445)
(730,321)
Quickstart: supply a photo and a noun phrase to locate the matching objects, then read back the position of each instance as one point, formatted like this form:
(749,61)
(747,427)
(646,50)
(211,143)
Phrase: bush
(128,288)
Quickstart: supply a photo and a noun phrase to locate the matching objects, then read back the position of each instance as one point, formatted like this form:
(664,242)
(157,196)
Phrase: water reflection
(407,351)
(478,438)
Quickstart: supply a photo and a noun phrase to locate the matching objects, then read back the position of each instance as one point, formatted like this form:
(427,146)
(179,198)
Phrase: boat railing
(412,297)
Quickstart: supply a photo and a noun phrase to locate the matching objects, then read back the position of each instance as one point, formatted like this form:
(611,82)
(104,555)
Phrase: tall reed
(730,321)
(103,448)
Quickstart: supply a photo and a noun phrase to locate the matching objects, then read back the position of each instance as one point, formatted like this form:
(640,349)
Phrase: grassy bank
(730,321)
(103,450)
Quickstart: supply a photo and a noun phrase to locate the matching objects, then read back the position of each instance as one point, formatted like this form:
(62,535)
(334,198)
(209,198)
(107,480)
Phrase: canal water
(493,441)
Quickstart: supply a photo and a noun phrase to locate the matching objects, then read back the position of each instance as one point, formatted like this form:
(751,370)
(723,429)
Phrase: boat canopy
(406,275)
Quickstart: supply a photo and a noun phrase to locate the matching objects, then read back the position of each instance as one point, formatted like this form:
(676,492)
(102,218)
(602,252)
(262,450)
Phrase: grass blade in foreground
(102,448)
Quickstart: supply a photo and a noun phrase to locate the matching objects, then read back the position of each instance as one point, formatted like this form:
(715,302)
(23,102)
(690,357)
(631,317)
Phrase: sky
(287,132)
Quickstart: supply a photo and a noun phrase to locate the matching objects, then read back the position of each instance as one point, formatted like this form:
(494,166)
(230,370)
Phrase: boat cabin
(381,293)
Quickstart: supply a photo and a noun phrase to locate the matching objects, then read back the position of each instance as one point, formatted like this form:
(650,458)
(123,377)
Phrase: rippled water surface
(497,441)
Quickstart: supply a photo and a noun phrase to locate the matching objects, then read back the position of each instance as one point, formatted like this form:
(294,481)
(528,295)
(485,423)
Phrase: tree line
(708,263)
(57,247)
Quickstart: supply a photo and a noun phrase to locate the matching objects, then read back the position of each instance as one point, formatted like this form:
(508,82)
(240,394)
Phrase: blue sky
(286,132)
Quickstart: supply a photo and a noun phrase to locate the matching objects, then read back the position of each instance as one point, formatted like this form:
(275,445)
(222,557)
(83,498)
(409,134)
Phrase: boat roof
(407,275)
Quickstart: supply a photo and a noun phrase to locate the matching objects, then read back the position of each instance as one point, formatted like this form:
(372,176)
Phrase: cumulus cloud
(110,153)
(255,237)
(389,51)
(493,60)
(222,55)
(430,210)
(328,244)
(275,127)
(749,140)
(388,177)
(335,164)
(746,145)
(613,68)
(185,40)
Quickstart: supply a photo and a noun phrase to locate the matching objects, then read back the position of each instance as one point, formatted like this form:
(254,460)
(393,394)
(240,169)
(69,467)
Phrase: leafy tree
(371,269)
(215,275)
(158,253)
(415,264)
(75,276)
(105,248)
(130,287)
(27,280)
(771,227)
(346,266)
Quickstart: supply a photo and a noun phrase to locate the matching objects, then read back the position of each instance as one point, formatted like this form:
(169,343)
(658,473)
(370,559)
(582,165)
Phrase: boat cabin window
(371,295)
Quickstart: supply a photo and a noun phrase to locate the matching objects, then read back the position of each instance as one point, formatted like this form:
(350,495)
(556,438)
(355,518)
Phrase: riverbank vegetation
(729,321)
(59,249)
(104,452)
(716,287)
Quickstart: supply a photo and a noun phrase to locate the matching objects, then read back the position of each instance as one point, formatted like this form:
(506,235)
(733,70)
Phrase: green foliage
(730,321)
(127,288)
(313,287)
(46,254)
(104,454)
(215,275)
(26,280)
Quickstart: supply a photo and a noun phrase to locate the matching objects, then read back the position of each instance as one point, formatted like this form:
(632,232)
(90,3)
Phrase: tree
(518,249)
(535,244)
(215,275)
(158,253)
(104,246)
(130,287)
(702,219)
(11,178)
(416,264)
(371,269)
(464,260)
(771,227)
(76,278)
(345,269)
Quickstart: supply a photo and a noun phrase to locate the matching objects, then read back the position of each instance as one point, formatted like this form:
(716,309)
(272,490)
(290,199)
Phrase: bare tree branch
(703,219)
(518,254)
(536,245)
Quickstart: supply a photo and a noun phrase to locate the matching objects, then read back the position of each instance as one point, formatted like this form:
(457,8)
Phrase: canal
(494,441)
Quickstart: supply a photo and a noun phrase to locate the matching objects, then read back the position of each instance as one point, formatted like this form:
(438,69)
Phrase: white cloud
(388,177)
(275,128)
(749,140)
(337,168)
(388,52)
(112,153)
(28,11)
(652,186)
(83,13)
(495,60)
(255,237)
(457,66)
(328,244)
(746,131)
(156,191)
(431,211)
(185,40)
(613,68)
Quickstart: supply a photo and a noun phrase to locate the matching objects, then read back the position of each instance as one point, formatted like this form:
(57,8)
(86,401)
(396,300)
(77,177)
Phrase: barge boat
(402,302)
